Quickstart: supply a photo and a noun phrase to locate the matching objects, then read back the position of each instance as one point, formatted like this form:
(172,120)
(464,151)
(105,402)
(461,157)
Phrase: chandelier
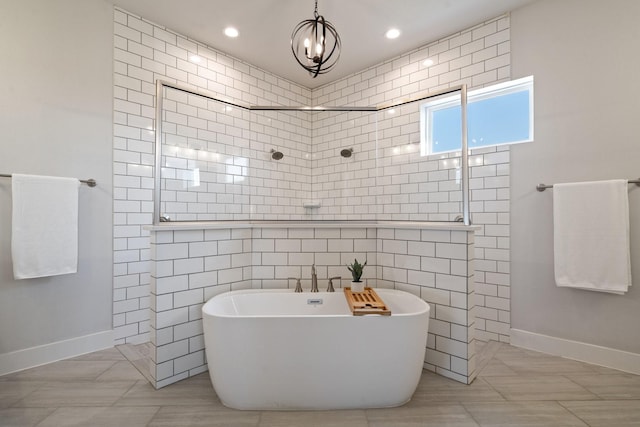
(315,44)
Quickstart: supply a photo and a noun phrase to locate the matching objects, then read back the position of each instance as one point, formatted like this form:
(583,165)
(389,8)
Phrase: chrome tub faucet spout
(314,279)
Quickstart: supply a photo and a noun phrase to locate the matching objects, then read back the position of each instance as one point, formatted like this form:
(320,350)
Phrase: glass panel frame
(161,85)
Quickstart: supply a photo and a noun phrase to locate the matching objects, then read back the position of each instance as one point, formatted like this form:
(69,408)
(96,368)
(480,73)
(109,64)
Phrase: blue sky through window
(498,119)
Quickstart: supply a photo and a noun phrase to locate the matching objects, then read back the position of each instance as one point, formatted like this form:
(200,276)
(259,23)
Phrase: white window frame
(428,108)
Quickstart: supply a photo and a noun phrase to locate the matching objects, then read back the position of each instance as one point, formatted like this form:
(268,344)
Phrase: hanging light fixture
(315,44)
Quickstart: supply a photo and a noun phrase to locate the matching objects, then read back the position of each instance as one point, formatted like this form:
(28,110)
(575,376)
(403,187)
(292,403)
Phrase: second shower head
(346,153)
(276,155)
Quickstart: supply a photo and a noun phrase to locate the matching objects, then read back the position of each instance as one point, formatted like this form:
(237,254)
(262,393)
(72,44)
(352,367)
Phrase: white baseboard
(47,353)
(576,350)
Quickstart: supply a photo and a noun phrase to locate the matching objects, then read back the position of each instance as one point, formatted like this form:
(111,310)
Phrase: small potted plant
(356,270)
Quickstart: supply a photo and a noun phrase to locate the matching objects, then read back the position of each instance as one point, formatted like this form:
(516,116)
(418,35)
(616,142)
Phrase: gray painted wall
(56,119)
(584,56)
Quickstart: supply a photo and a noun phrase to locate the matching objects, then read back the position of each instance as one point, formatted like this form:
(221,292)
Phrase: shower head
(276,155)
(346,153)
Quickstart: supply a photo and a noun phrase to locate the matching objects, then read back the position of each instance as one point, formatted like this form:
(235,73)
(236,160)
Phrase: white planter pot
(357,286)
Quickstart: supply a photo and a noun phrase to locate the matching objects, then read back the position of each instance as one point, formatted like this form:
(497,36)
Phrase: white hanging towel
(44,234)
(591,235)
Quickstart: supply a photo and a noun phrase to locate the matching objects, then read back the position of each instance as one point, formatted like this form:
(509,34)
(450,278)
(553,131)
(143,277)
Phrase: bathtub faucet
(314,279)
(330,286)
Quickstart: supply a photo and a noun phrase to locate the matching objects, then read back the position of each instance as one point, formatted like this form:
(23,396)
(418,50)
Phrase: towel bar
(542,187)
(90,182)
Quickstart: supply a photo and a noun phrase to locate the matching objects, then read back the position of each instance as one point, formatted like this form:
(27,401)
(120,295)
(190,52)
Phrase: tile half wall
(192,263)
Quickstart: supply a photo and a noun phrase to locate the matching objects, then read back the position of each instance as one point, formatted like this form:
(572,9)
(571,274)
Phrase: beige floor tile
(100,416)
(441,414)
(435,388)
(140,357)
(538,387)
(607,413)
(486,352)
(201,416)
(612,387)
(75,393)
(23,417)
(521,414)
(508,352)
(136,351)
(106,354)
(495,367)
(64,370)
(515,387)
(121,371)
(348,418)
(192,391)
(603,370)
(12,391)
(547,365)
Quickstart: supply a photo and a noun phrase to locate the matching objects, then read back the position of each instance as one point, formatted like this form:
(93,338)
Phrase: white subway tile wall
(268,257)
(217,164)
(386,178)
(145,52)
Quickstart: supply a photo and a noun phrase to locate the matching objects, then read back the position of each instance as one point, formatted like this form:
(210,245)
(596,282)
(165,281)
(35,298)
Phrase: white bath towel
(591,235)
(44,233)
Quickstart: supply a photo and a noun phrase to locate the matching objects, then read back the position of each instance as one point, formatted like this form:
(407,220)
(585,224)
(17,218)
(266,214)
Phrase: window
(499,114)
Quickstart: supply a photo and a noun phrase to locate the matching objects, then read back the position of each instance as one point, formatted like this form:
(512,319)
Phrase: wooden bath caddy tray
(367,302)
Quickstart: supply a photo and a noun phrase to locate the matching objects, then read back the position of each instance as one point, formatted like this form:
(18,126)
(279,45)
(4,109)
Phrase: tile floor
(515,387)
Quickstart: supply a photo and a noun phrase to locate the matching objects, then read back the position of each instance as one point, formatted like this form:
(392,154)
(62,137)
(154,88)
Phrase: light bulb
(393,33)
(231,32)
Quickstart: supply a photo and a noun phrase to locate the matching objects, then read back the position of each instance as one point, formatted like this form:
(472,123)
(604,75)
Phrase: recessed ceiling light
(393,33)
(231,32)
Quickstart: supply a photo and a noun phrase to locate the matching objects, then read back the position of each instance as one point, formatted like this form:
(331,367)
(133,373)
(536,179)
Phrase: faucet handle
(298,285)
(330,286)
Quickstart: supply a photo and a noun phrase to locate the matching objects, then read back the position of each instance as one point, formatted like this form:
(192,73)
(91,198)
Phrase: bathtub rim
(426,308)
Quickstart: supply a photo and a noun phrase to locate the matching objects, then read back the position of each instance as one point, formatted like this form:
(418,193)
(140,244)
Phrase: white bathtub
(276,349)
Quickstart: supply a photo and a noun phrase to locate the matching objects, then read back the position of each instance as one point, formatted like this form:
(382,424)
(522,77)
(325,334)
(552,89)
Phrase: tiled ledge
(207,225)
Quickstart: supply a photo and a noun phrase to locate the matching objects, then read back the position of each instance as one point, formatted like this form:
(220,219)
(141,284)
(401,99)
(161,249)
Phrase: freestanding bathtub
(280,350)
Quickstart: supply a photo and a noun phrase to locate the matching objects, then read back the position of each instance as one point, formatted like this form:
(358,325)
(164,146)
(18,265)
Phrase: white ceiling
(265,27)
